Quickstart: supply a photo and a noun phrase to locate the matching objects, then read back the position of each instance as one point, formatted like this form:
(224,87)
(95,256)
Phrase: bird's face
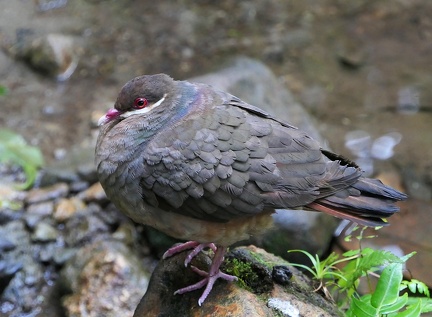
(141,95)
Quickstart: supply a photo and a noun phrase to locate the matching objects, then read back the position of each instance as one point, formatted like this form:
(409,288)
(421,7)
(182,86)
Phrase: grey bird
(202,165)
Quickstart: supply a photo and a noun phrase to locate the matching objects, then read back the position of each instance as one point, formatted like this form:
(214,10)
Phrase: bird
(205,167)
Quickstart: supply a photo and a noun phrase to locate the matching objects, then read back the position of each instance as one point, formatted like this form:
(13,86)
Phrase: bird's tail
(366,202)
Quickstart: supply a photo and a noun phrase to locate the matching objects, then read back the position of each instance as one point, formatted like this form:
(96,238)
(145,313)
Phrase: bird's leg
(210,277)
(196,246)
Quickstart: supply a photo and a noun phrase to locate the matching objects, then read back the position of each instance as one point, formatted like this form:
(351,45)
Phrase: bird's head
(139,96)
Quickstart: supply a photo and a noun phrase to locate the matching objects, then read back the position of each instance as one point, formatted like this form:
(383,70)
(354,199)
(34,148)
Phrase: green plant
(389,298)
(3,90)
(14,150)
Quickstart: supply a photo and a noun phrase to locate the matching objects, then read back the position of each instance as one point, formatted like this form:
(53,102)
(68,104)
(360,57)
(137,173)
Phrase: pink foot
(196,246)
(210,277)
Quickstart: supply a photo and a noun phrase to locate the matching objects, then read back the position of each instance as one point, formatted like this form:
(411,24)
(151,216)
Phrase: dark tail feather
(375,202)
(375,187)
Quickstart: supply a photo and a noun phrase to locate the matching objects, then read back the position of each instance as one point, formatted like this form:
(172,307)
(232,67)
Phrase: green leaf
(396,306)
(350,253)
(387,289)
(363,308)
(427,307)
(426,303)
(369,260)
(14,150)
(412,311)
(415,286)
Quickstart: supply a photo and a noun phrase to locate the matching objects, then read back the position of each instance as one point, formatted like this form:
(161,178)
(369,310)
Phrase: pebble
(32,220)
(78,186)
(54,175)
(84,227)
(44,232)
(44,208)
(67,207)
(87,172)
(47,193)
(63,255)
(54,55)
(9,193)
(6,244)
(94,193)
(281,274)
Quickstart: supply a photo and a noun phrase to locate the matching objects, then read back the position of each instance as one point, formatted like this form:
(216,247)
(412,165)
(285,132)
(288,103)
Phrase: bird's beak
(109,116)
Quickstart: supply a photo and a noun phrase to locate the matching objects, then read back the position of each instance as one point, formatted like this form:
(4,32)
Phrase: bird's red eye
(140,103)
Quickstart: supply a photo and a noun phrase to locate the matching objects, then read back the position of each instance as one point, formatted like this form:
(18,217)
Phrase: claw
(209,277)
(196,246)
(179,248)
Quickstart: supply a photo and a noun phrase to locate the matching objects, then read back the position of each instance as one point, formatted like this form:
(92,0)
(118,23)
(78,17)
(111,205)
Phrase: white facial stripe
(143,110)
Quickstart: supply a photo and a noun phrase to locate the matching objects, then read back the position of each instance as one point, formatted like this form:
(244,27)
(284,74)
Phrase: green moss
(243,271)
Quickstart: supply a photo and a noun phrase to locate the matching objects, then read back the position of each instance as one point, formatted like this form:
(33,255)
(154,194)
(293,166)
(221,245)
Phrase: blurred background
(362,70)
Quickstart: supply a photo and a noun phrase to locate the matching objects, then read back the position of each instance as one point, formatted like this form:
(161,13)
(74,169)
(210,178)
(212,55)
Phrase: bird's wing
(235,161)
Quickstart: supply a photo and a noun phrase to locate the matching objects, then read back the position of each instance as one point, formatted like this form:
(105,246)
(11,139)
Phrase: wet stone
(281,274)
(110,270)
(6,244)
(53,55)
(8,215)
(7,270)
(32,220)
(24,292)
(9,193)
(54,175)
(16,232)
(84,227)
(94,193)
(44,232)
(64,254)
(67,207)
(45,208)
(110,214)
(230,299)
(78,186)
(87,172)
(47,193)
(126,233)
(47,251)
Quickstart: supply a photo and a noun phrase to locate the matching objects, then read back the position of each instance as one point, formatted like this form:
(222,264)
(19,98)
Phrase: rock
(351,52)
(44,208)
(108,269)
(85,227)
(255,294)
(11,203)
(94,193)
(44,232)
(64,254)
(53,54)
(6,244)
(8,192)
(57,174)
(67,207)
(24,281)
(253,82)
(37,195)
(87,172)
(78,186)
(126,233)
